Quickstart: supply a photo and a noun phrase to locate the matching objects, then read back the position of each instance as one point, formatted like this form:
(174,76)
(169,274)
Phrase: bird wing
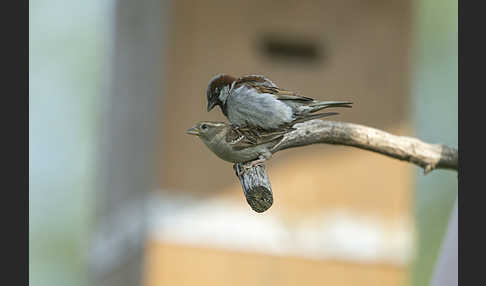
(266,86)
(245,137)
(257,80)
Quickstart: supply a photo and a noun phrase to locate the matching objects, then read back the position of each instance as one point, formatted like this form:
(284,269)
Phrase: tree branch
(255,182)
(425,155)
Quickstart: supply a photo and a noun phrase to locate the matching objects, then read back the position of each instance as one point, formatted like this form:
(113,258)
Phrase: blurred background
(119,195)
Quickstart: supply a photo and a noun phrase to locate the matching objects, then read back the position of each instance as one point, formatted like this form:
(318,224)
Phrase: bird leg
(261,159)
(247,166)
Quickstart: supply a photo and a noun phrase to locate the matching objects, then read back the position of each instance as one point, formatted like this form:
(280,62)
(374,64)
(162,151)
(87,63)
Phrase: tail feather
(312,116)
(325,104)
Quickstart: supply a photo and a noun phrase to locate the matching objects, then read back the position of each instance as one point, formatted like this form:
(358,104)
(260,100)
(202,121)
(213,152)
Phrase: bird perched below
(242,145)
(257,102)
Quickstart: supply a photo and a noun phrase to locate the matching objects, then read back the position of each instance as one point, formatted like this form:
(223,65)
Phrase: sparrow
(237,145)
(255,101)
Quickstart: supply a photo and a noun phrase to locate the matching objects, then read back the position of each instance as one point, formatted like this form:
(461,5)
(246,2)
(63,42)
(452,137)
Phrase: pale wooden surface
(171,264)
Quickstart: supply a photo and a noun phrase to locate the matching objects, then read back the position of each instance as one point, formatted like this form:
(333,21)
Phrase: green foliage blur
(66,56)
(435,113)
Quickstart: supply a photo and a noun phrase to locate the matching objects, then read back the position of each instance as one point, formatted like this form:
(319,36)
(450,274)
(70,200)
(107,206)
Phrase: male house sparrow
(255,101)
(240,145)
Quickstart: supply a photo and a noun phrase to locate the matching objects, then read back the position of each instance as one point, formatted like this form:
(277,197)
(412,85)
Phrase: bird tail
(312,116)
(311,108)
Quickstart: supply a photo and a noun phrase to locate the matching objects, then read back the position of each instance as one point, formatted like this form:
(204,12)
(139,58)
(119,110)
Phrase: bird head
(206,130)
(215,88)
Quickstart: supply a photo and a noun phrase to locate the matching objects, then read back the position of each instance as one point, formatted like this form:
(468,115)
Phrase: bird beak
(211,105)
(193,131)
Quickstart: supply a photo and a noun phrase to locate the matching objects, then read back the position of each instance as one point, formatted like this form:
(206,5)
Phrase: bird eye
(204,126)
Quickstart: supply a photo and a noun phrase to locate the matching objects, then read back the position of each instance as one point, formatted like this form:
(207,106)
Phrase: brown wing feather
(264,85)
(244,137)
(257,80)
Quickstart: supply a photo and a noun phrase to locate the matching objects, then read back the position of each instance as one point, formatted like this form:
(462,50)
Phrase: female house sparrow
(240,145)
(257,102)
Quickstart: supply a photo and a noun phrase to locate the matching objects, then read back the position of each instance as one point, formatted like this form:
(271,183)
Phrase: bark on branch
(425,155)
(428,156)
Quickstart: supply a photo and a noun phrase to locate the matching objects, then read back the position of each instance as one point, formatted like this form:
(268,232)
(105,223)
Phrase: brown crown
(220,81)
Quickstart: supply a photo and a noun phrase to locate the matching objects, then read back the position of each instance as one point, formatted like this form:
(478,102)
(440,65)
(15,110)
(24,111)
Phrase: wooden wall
(361,54)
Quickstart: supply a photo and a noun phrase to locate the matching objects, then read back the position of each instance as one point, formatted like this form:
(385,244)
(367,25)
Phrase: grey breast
(245,105)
